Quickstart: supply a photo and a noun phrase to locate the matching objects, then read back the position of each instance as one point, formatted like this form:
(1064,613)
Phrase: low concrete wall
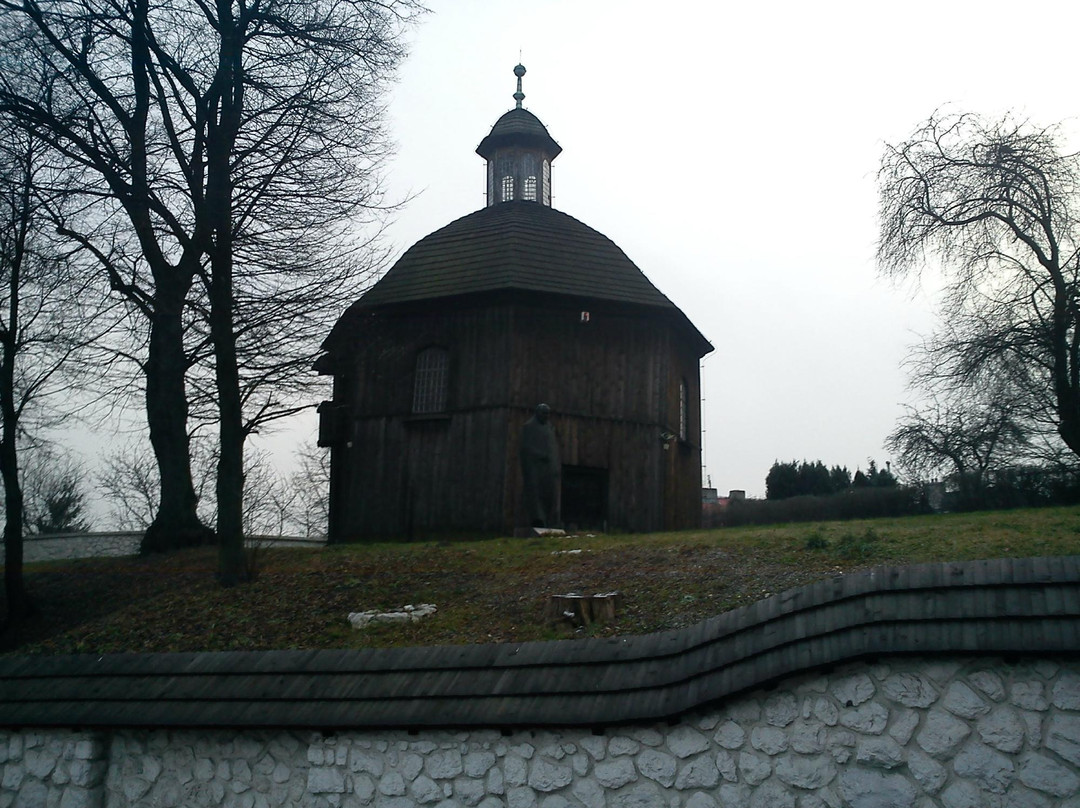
(64,546)
(904,732)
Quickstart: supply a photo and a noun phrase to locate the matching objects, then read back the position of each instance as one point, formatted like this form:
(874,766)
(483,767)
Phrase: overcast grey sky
(730,150)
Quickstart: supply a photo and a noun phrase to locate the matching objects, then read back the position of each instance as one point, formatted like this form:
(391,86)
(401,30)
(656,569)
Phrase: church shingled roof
(515,245)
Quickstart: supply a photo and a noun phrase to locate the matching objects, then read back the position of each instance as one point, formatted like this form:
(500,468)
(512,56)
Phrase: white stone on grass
(407,614)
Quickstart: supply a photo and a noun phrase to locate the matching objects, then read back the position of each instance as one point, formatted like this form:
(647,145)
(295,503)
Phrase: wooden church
(437,367)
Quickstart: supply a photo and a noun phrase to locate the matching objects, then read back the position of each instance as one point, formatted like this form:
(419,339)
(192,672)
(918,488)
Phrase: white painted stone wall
(958,733)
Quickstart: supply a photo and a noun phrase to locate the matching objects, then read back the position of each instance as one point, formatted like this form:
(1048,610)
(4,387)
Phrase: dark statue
(540,469)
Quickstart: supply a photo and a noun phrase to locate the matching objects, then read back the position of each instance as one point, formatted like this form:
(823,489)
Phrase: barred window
(507,188)
(530,189)
(429,383)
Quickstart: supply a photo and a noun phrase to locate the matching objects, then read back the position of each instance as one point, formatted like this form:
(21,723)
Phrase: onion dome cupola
(519,152)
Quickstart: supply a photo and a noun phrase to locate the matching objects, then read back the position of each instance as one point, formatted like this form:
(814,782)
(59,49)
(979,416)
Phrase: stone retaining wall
(917,733)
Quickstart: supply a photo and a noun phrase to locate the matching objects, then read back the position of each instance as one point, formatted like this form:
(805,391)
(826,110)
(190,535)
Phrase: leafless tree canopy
(230,150)
(964,439)
(995,202)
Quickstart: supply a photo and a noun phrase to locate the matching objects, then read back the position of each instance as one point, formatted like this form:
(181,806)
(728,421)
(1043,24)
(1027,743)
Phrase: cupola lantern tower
(519,152)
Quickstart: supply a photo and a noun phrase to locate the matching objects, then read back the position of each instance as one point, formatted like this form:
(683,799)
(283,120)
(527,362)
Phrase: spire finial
(519,96)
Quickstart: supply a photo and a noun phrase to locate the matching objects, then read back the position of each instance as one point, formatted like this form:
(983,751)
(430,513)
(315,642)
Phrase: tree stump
(583,610)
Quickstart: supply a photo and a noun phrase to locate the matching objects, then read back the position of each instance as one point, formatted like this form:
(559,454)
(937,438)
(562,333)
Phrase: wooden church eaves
(1028,606)
(520,246)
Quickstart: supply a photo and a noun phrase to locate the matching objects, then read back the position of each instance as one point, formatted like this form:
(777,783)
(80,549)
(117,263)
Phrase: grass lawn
(490,591)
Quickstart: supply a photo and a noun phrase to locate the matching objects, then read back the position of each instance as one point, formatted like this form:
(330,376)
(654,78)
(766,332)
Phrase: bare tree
(310,514)
(104,115)
(995,203)
(963,439)
(128,481)
(237,138)
(268,497)
(45,321)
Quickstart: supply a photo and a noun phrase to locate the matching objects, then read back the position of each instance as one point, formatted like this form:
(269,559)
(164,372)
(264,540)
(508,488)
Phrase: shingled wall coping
(1001,606)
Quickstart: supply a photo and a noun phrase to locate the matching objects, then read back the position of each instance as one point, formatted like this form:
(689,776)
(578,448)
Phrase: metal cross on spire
(519,96)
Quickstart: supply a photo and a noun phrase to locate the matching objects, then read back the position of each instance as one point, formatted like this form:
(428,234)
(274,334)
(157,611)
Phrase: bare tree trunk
(230,471)
(19,605)
(221,139)
(176,523)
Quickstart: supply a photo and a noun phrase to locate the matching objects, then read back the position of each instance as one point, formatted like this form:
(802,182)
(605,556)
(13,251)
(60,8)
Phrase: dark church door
(584,497)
